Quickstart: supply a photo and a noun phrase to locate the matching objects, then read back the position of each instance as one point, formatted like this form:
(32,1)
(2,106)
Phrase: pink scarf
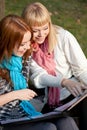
(46,61)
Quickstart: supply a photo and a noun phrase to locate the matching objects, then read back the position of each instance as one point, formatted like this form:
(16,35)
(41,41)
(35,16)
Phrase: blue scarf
(14,65)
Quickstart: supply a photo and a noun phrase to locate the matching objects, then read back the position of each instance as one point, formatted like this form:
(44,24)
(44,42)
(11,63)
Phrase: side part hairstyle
(12,30)
(36,14)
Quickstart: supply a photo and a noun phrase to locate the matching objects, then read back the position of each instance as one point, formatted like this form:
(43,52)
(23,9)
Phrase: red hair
(12,30)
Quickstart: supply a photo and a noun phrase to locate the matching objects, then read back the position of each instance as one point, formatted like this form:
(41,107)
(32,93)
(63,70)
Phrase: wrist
(64,82)
(15,95)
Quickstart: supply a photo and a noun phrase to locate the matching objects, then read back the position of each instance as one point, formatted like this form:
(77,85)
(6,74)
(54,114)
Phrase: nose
(40,33)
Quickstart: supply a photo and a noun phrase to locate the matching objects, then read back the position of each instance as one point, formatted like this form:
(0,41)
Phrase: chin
(40,42)
(20,55)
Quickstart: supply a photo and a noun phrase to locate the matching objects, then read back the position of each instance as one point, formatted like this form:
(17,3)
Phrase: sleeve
(75,57)
(41,79)
(26,69)
(5,86)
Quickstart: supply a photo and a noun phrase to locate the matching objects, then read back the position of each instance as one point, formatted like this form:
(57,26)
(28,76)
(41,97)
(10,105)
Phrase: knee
(67,120)
(66,123)
(70,119)
(71,124)
(50,126)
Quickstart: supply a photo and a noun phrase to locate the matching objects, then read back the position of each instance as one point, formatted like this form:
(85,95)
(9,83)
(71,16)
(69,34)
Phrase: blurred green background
(70,14)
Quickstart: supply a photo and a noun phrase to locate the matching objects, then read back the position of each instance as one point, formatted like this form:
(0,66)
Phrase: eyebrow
(41,28)
(26,41)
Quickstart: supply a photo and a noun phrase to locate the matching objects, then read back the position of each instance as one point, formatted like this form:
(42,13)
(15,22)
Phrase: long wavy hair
(37,14)
(12,30)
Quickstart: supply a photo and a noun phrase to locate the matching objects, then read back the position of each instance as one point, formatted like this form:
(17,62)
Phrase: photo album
(56,113)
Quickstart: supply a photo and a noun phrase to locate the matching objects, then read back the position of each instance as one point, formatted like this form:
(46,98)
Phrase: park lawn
(70,14)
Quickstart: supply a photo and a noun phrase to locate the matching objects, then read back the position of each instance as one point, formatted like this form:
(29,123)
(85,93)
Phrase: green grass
(70,14)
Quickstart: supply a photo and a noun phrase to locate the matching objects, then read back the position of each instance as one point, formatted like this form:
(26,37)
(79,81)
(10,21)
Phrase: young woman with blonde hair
(58,60)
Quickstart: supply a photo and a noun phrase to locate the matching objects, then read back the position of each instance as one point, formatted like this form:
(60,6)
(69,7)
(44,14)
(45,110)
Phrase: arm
(42,79)
(25,94)
(5,98)
(75,57)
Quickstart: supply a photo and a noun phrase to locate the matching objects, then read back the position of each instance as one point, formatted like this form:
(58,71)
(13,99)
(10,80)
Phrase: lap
(32,126)
(66,123)
(63,123)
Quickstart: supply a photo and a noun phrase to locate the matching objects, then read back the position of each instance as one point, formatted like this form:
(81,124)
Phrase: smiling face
(40,33)
(24,46)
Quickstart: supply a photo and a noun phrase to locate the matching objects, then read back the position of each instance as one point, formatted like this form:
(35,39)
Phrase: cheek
(35,35)
(47,32)
(15,50)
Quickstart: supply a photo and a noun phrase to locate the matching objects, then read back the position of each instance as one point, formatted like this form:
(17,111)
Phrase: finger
(77,93)
(29,98)
(74,91)
(83,86)
(31,95)
(79,90)
(34,93)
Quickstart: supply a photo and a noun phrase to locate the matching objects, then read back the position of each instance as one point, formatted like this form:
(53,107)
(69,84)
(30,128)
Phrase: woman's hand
(75,88)
(24,94)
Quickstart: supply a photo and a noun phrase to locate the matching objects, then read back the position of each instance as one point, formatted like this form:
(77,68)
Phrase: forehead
(41,27)
(27,36)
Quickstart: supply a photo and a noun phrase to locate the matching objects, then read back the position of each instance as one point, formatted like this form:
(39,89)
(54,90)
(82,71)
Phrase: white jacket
(70,61)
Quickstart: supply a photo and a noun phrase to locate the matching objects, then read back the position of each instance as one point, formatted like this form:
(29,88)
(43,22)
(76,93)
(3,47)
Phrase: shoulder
(62,32)
(64,38)
(59,29)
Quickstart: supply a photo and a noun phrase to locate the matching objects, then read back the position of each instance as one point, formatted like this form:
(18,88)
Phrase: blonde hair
(36,14)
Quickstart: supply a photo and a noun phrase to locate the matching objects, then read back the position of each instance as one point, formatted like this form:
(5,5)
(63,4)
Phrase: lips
(40,39)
